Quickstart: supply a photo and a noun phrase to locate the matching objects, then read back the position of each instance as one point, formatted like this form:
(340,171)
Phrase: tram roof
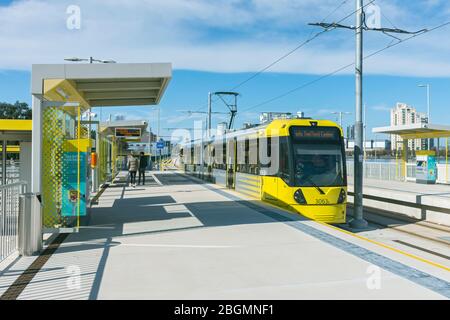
(416,131)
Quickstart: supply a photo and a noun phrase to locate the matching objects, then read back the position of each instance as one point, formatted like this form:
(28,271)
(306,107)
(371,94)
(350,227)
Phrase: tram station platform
(179,238)
(425,202)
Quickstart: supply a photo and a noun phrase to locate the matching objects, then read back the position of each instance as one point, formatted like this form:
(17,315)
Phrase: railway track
(418,230)
(422,229)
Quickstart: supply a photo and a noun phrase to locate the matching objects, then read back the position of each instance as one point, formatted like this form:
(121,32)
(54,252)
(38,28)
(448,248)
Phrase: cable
(346,66)
(311,38)
(388,20)
(335,10)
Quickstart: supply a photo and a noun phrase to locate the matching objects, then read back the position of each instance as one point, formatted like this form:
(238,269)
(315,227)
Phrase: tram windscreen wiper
(314,185)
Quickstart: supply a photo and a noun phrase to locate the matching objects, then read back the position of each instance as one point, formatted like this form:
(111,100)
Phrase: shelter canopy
(15,129)
(97,85)
(416,131)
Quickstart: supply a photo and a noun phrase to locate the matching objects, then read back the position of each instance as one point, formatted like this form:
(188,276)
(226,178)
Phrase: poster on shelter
(70,192)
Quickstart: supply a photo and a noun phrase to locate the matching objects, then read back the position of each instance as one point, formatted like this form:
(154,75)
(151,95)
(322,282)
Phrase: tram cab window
(318,165)
(283,171)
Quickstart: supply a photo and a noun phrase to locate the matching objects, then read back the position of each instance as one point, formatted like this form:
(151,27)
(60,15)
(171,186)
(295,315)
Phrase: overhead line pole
(209,113)
(358,221)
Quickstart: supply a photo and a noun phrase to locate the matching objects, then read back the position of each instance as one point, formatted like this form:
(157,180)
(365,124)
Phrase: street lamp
(91,60)
(158,132)
(428,99)
(340,113)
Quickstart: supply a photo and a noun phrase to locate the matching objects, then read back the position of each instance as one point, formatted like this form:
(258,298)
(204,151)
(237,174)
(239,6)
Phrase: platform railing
(392,171)
(395,171)
(9,217)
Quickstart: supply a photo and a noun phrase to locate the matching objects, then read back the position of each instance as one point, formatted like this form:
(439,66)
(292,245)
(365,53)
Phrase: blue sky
(214,45)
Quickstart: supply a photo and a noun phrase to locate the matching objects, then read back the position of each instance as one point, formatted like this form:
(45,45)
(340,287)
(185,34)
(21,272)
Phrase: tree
(18,110)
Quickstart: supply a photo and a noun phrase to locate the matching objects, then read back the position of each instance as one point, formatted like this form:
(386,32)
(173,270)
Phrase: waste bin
(30,224)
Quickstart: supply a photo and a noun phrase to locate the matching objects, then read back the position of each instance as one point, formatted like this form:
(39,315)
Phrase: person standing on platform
(142,166)
(133,164)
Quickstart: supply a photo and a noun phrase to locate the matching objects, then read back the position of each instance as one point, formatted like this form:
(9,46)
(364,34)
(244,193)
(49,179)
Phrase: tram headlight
(299,197)
(342,196)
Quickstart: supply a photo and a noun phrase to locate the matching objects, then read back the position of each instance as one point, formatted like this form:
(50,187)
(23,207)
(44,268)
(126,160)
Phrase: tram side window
(240,156)
(221,163)
(253,157)
(264,150)
(244,166)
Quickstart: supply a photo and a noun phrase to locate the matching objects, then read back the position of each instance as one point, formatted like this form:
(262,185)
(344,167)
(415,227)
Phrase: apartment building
(401,115)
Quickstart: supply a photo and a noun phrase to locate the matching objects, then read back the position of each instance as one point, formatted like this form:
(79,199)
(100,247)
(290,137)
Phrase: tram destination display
(315,134)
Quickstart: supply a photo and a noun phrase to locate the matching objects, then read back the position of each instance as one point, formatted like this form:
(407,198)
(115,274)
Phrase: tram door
(231,163)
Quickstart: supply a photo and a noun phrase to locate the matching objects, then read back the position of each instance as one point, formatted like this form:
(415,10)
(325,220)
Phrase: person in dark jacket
(142,166)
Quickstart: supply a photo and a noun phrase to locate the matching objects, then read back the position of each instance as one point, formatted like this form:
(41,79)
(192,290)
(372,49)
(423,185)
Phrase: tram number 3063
(322,201)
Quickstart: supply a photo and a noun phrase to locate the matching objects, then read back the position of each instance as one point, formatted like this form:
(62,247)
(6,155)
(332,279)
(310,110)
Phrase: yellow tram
(298,164)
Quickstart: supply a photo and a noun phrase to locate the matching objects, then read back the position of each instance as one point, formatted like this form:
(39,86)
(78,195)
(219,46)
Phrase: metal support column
(4,146)
(358,222)
(34,226)
(405,158)
(446,160)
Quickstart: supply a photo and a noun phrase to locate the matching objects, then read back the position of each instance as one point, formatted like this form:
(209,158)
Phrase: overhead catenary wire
(307,84)
(301,45)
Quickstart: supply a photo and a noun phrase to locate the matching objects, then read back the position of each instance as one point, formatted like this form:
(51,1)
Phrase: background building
(401,115)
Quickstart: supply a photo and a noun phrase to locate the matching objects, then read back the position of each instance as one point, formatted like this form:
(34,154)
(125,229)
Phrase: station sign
(160,144)
(128,132)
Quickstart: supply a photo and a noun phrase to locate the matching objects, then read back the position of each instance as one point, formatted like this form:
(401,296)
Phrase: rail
(404,203)
(9,217)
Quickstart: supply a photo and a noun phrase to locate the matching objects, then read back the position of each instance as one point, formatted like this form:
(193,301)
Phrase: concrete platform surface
(178,239)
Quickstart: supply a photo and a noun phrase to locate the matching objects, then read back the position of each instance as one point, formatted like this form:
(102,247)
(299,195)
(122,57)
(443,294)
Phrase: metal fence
(9,217)
(12,173)
(395,171)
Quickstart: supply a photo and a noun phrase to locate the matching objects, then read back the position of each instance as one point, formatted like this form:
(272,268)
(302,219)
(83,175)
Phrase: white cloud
(224,36)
